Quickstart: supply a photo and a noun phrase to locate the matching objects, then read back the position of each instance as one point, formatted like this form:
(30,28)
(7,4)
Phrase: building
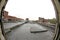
(42,20)
(5,15)
(8,18)
(27,20)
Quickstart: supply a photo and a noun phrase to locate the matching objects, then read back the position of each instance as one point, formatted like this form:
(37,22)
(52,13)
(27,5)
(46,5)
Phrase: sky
(31,9)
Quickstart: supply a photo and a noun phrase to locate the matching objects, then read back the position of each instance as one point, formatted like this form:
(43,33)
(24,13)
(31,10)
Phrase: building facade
(8,18)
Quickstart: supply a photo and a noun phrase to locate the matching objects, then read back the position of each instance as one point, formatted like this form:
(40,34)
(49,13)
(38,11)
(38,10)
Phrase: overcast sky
(31,9)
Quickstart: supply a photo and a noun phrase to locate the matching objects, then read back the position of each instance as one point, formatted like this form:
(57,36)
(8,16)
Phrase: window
(9,19)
